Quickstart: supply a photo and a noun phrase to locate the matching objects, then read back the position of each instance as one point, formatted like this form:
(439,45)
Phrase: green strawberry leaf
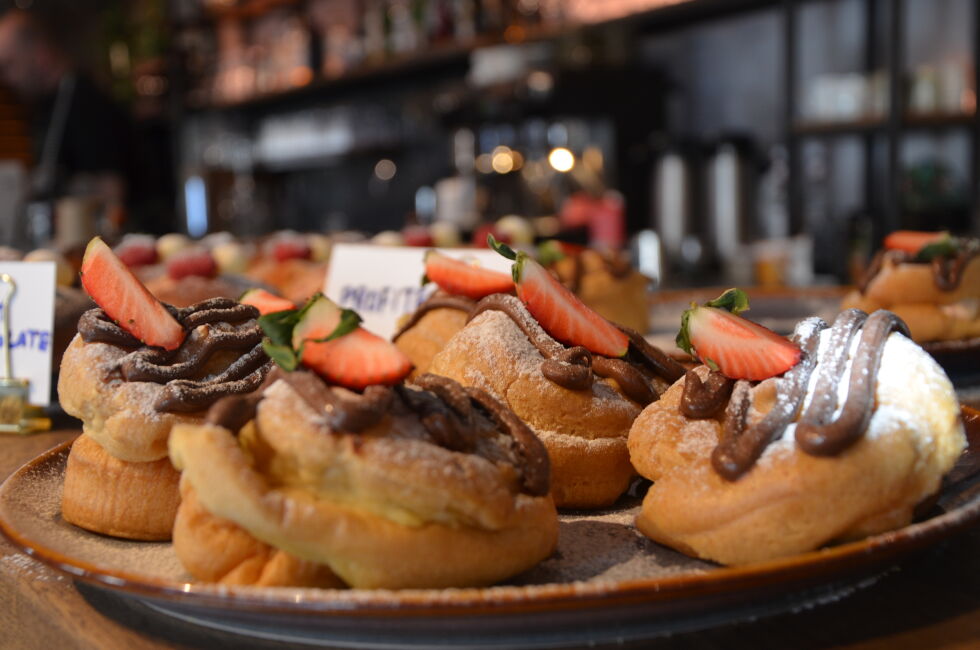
(501,247)
(283,355)
(945,247)
(349,320)
(425,280)
(733,300)
(683,339)
(278,326)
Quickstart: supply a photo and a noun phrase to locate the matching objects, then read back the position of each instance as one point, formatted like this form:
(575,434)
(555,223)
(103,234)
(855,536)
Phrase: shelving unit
(881,137)
(892,127)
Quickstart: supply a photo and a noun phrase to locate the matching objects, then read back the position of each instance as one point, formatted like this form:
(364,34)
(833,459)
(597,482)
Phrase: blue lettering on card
(395,300)
(30,339)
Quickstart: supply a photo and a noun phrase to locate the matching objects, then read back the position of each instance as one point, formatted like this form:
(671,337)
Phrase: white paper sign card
(383,283)
(31,325)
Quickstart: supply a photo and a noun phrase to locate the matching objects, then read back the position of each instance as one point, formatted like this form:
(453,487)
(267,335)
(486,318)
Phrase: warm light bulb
(501,160)
(561,159)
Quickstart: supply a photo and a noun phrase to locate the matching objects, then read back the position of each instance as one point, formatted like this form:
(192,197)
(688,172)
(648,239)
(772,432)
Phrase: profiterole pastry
(135,368)
(576,379)
(427,330)
(930,280)
(843,444)
(603,280)
(382,485)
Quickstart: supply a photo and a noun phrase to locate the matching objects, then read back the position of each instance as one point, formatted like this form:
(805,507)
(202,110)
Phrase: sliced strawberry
(558,310)
(137,250)
(353,357)
(737,347)
(265,302)
(912,241)
(357,360)
(464,279)
(197,261)
(116,290)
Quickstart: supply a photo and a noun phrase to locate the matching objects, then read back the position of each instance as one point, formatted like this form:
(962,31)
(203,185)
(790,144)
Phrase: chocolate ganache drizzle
(185,390)
(574,368)
(452,416)
(818,432)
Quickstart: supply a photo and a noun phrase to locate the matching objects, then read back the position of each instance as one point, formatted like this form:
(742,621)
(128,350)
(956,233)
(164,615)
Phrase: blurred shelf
(243,9)
(840,127)
(912,121)
(939,120)
(667,16)
(397,67)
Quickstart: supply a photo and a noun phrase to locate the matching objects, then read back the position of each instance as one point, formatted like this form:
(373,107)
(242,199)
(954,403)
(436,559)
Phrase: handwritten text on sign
(31,325)
(382,283)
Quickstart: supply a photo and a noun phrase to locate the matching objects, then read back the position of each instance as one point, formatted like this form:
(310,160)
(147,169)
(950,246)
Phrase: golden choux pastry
(843,445)
(129,395)
(938,300)
(580,405)
(427,330)
(217,550)
(424,486)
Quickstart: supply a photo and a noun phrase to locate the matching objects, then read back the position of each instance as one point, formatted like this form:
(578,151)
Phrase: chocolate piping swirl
(153,364)
(703,399)
(740,446)
(243,376)
(446,410)
(535,467)
(830,439)
(817,432)
(573,368)
(831,366)
(95,326)
(215,310)
(653,357)
(630,380)
(235,411)
(342,409)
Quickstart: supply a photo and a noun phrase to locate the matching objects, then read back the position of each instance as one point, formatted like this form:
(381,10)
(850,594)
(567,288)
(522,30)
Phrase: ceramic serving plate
(606,582)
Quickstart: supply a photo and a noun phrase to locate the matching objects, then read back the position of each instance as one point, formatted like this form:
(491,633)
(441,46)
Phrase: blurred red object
(604,217)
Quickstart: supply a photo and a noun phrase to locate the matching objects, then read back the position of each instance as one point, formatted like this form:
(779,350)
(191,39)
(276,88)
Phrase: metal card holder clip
(17,416)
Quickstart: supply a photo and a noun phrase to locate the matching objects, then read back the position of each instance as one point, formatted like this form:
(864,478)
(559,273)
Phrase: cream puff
(843,445)
(425,485)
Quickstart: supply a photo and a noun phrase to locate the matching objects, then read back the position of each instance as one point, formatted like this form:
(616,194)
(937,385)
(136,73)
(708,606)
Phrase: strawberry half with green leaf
(558,310)
(737,347)
(265,301)
(125,300)
(913,241)
(464,279)
(329,341)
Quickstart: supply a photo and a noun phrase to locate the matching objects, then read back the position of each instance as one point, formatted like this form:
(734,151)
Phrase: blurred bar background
(754,141)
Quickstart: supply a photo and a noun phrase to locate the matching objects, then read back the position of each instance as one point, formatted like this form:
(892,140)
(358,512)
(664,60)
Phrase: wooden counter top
(931,600)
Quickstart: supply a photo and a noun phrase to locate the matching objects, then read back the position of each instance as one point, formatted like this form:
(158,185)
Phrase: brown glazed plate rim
(815,568)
